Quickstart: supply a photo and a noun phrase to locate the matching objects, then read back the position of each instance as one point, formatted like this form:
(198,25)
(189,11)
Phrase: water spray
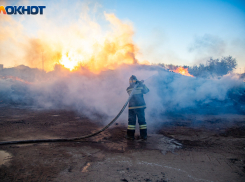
(150,77)
(82,137)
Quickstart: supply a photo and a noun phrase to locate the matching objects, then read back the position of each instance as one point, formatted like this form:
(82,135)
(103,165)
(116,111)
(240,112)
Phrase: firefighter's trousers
(140,113)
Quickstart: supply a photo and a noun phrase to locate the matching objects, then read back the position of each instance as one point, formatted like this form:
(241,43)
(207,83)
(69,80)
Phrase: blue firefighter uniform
(136,108)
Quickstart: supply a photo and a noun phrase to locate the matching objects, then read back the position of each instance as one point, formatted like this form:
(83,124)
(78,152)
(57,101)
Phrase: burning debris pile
(104,93)
(92,68)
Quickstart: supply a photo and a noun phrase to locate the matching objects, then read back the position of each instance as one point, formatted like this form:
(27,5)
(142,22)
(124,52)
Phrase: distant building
(1,66)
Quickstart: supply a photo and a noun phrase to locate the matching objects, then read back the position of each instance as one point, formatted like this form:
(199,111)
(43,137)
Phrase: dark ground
(181,148)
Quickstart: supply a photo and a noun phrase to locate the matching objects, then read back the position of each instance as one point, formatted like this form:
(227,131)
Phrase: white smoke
(104,94)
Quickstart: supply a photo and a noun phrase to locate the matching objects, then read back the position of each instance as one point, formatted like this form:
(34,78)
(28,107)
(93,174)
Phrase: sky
(176,32)
(186,32)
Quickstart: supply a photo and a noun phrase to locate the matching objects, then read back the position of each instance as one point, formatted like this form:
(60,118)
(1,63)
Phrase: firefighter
(136,107)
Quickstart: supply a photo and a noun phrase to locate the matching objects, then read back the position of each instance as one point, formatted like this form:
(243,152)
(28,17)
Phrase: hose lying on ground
(76,138)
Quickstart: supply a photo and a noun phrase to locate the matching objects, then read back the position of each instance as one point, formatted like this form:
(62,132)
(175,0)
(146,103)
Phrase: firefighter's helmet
(132,79)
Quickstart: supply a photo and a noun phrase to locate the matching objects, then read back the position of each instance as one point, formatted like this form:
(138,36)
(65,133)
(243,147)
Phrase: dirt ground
(179,148)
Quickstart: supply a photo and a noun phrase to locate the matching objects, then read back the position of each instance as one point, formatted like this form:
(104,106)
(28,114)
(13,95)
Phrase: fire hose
(76,138)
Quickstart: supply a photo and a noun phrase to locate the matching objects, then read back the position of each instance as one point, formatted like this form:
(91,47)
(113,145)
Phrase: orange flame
(16,78)
(97,51)
(84,44)
(182,71)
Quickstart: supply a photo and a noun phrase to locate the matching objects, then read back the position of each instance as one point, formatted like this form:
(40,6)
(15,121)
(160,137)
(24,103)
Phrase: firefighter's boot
(143,132)
(130,132)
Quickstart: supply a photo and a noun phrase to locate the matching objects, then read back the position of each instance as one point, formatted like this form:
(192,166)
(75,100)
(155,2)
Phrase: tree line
(213,67)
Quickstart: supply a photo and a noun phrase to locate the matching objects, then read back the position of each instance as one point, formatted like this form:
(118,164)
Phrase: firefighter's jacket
(137,100)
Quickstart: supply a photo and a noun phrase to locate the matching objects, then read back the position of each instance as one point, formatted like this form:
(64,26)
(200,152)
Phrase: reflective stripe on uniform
(131,127)
(138,88)
(135,92)
(143,126)
(136,107)
(132,81)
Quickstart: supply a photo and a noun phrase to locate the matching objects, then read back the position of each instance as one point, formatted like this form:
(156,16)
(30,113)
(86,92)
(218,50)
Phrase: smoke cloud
(208,45)
(101,96)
